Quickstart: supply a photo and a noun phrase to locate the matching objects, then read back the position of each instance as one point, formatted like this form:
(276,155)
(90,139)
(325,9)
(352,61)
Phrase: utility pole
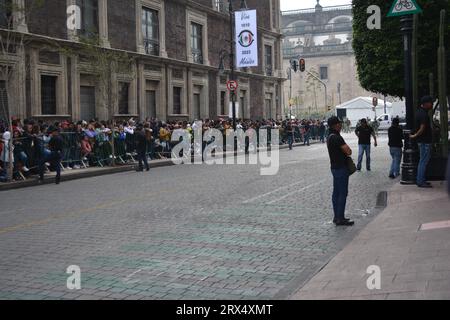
(233,94)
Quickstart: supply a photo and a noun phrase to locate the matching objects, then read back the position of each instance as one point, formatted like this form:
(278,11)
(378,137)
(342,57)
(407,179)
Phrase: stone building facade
(175,48)
(323,37)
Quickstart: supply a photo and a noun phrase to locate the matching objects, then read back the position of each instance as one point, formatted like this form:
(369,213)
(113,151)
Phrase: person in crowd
(322,129)
(86,150)
(339,151)
(55,146)
(21,158)
(3,173)
(307,133)
(141,148)
(290,134)
(364,133)
(5,156)
(395,134)
(424,138)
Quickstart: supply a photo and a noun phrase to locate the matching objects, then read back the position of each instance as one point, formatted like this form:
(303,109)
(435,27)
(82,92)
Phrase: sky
(306,4)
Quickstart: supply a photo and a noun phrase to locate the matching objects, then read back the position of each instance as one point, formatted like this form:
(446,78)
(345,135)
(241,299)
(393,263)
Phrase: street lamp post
(410,158)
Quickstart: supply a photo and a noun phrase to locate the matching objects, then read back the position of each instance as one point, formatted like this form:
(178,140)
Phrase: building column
(19,16)
(142,87)
(161,110)
(133,94)
(103,23)
(35,83)
(75,88)
(188,95)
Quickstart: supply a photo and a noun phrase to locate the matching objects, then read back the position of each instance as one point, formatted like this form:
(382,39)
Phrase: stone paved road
(185,232)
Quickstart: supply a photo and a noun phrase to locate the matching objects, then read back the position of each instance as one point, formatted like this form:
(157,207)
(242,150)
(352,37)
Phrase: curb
(106,171)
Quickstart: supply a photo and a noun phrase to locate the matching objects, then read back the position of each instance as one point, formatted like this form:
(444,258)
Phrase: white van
(385,121)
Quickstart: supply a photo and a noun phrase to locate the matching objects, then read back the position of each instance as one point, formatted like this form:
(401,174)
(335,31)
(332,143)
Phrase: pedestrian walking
(395,134)
(53,155)
(424,138)
(290,134)
(322,132)
(364,132)
(141,149)
(339,151)
(307,134)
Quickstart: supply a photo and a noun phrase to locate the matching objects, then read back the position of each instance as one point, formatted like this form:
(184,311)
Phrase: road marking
(55,217)
(291,193)
(273,191)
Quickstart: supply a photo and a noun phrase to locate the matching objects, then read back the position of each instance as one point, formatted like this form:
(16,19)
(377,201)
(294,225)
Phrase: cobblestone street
(183,232)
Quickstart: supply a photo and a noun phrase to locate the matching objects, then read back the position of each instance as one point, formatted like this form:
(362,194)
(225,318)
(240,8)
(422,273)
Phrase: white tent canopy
(362,107)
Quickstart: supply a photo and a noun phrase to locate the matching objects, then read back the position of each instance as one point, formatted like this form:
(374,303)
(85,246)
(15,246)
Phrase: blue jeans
(340,192)
(290,139)
(307,137)
(425,156)
(396,154)
(364,148)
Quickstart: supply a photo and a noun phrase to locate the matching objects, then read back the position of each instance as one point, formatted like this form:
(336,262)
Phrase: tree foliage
(379,53)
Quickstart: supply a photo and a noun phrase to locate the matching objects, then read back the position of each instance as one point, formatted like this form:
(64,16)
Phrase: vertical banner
(231,110)
(246,39)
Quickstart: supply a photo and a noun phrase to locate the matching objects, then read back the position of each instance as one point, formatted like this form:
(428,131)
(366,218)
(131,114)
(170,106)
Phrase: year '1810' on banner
(246,39)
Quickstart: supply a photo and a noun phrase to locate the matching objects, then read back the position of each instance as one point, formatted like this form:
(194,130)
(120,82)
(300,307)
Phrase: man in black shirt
(55,146)
(395,146)
(141,148)
(424,138)
(290,134)
(307,134)
(339,151)
(364,132)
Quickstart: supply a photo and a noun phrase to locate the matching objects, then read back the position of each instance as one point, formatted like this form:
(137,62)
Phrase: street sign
(232,85)
(404,7)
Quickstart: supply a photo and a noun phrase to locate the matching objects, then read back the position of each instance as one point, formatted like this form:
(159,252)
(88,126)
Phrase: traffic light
(302,65)
(294,65)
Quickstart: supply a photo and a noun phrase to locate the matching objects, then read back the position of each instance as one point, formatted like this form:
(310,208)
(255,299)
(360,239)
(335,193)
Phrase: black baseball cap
(333,121)
(427,99)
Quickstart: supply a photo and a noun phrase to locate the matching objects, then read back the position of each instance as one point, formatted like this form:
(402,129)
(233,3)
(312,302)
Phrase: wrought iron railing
(151,47)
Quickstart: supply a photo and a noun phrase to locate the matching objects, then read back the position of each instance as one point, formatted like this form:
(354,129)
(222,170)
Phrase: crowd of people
(89,143)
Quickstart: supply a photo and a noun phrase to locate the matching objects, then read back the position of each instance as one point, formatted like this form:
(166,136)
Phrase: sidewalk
(414,257)
(97,171)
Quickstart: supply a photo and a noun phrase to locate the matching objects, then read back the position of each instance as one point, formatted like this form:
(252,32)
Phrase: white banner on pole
(246,39)
(231,110)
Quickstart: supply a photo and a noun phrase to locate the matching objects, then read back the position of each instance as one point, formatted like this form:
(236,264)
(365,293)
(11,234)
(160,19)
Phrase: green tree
(379,53)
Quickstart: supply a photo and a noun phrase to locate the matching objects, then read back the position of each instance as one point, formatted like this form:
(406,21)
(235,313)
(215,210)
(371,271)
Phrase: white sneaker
(76,167)
(25,169)
(47,164)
